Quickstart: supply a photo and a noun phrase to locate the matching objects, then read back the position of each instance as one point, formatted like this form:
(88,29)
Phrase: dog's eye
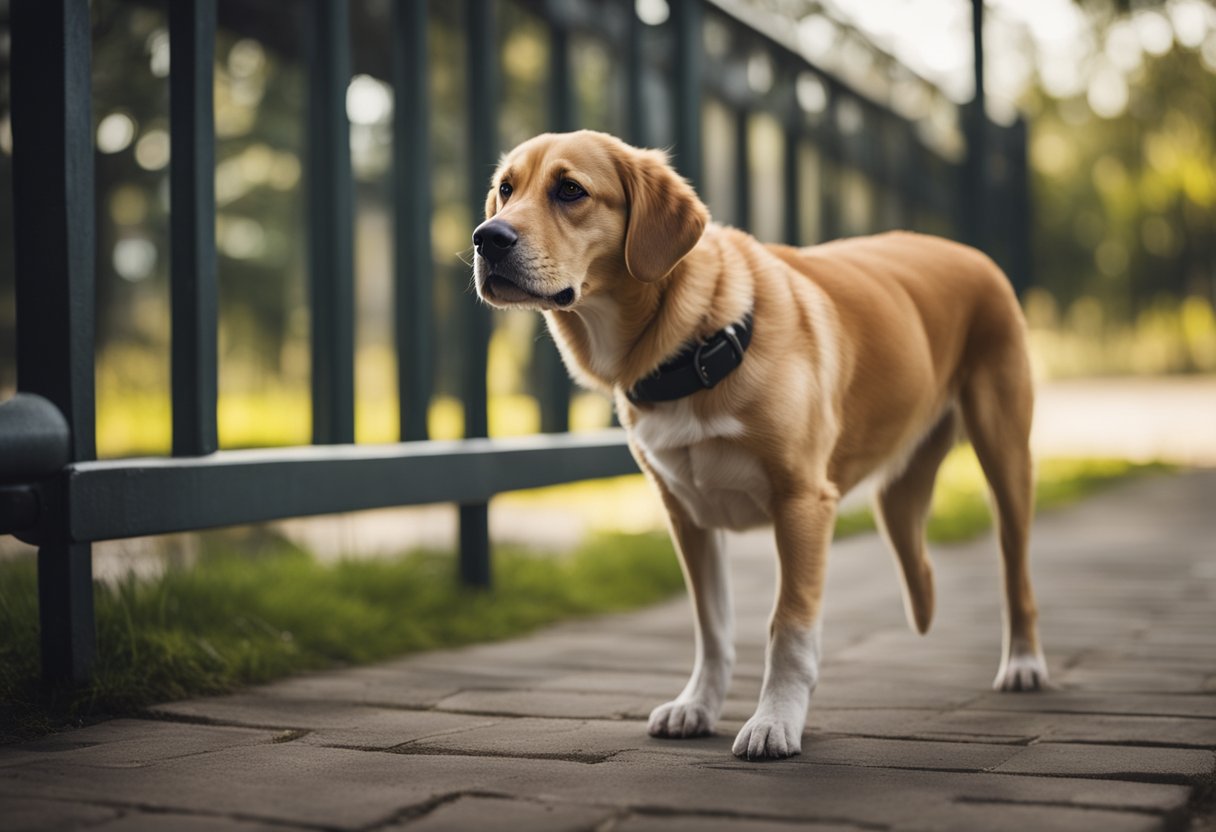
(568,191)
(504,190)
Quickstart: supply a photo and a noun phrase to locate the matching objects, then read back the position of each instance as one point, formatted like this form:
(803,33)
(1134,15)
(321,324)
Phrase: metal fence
(683,79)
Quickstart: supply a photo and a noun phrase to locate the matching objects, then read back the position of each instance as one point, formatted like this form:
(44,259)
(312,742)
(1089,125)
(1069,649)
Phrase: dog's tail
(901,506)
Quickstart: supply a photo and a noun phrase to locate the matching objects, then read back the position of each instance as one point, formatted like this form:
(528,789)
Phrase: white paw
(681,719)
(768,738)
(1022,671)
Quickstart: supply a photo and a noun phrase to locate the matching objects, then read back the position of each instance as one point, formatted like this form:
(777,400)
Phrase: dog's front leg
(695,711)
(803,523)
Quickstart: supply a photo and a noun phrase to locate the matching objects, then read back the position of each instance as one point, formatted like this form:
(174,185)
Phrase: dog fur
(870,358)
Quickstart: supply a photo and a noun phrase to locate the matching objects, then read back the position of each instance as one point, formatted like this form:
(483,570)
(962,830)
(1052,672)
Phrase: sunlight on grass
(960,498)
(960,507)
(139,422)
(1085,339)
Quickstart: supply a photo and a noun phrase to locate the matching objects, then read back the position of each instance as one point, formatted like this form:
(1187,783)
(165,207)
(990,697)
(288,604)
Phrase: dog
(758,383)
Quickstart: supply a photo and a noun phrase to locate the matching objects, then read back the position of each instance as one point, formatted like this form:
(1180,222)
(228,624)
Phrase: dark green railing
(54,494)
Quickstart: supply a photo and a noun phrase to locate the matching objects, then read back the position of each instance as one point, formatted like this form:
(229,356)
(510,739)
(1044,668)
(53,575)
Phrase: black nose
(493,239)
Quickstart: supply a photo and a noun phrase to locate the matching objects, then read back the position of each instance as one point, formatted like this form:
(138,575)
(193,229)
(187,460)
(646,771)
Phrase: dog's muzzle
(494,240)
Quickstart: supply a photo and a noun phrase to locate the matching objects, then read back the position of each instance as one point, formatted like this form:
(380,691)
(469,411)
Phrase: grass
(960,504)
(233,620)
(243,618)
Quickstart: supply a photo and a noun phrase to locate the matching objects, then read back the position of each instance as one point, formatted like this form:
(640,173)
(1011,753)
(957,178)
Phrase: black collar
(698,366)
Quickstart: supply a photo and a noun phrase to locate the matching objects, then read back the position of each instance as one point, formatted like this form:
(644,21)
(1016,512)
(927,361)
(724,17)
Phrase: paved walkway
(548,732)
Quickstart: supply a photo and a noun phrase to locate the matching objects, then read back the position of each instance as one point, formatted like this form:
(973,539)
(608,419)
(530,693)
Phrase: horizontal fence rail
(131,497)
(841,148)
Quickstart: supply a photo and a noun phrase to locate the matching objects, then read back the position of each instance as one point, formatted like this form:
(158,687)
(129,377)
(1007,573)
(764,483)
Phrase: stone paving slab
(709,823)
(471,813)
(129,743)
(1178,765)
(137,821)
(345,789)
(26,814)
(323,723)
(547,732)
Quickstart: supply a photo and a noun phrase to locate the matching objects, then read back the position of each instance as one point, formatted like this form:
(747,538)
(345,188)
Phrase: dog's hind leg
(901,506)
(997,404)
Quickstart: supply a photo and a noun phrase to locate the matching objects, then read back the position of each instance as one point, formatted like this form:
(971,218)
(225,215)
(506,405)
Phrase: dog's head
(569,214)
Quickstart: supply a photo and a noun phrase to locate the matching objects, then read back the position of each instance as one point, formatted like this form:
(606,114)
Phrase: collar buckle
(700,367)
(711,347)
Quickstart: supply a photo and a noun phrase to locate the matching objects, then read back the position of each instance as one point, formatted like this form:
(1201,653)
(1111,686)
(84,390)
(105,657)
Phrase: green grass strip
(960,499)
(232,620)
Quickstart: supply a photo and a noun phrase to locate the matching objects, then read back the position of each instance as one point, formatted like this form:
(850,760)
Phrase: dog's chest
(719,482)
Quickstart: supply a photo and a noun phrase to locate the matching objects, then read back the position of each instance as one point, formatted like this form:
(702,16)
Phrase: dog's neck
(617,337)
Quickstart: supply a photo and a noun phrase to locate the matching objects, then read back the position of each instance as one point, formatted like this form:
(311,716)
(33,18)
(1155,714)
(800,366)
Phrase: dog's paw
(1022,671)
(768,738)
(678,719)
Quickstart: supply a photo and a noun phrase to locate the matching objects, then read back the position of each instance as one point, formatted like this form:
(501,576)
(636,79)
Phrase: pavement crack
(1155,777)
(617,717)
(196,719)
(1182,746)
(416,811)
(126,808)
(671,811)
(1059,804)
(416,749)
(1013,740)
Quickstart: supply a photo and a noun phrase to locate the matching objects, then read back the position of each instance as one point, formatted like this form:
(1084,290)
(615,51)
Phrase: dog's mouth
(505,290)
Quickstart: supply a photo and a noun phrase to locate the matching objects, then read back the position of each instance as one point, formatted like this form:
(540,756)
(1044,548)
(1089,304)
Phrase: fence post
(1020,264)
(54,248)
(634,56)
(412,216)
(830,163)
(192,282)
(482,49)
(974,188)
(552,382)
(330,224)
(743,169)
(686,16)
(791,219)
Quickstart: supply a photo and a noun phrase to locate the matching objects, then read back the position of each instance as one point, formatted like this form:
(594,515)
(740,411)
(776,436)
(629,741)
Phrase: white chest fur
(719,483)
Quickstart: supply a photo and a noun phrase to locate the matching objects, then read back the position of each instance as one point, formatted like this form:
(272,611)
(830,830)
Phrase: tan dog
(868,357)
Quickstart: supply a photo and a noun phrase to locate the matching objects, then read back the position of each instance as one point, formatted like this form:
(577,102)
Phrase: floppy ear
(666,218)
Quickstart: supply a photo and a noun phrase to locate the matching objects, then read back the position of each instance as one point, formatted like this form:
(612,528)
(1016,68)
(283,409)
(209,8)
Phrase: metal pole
(1021,264)
(54,258)
(412,204)
(192,283)
(554,384)
(688,55)
(331,225)
(633,76)
(482,48)
(743,170)
(975,188)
